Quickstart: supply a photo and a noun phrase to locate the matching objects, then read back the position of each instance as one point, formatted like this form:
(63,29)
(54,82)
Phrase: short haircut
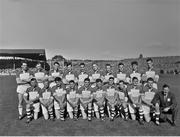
(150,79)
(57,79)
(82,64)
(38,63)
(134,63)
(33,79)
(111,78)
(98,80)
(71,81)
(56,63)
(121,64)
(108,65)
(134,78)
(149,59)
(121,81)
(87,79)
(23,62)
(69,63)
(165,86)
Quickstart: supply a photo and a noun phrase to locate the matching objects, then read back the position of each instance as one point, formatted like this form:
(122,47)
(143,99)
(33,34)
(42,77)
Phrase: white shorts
(52,84)
(36,107)
(146,109)
(21,89)
(41,85)
(44,109)
(56,105)
(69,108)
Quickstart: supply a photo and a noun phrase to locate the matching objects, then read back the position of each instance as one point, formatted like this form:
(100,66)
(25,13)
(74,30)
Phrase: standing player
(22,78)
(108,73)
(120,75)
(134,94)
(82,75)
(96,74)
(72,100)
(46,100)
(40,75)
(86,98)
(111,97)
(165,103)
(99,99)
(55,72)
(31,97)
(59,94)
(149,92)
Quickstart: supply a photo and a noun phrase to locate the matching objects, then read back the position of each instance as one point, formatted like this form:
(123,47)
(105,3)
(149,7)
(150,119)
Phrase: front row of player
(119,100)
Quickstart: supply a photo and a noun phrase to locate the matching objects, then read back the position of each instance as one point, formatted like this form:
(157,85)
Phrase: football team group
(102,95)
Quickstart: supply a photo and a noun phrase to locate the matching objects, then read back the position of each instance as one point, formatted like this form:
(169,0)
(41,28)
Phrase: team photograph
(90,68)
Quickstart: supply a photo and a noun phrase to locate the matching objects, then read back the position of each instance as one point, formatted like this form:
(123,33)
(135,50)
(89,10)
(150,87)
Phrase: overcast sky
(92,29)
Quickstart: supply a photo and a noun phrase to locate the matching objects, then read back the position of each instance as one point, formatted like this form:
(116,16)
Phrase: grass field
(10,126)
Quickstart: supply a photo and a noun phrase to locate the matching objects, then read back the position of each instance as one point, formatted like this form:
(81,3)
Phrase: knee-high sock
(126,113)
(140,114)
(157,116)
(28,113)
(50,111)
(101,109)
(112,112)
(89,113)
(75,112)
(62,114)
(20,110)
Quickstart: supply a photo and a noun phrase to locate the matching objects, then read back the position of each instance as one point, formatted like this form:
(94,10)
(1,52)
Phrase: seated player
(107,74)
(72,100)
(134,99)
(82,75)
(46,100)
(59,93)
(95,74)
(111,96)
(99,100)
(165,103)
(40,75)
(120,75)
(86,98)
(123,100)
(31,97)
(149,92)
(135,72)
(69,74)
(55,72)
(22,78)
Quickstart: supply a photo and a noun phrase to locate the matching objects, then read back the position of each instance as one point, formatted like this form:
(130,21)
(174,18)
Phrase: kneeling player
(46,100)
(72,100)
(59,94)
(134,93)
(86,99)
(99,99)
(31,98)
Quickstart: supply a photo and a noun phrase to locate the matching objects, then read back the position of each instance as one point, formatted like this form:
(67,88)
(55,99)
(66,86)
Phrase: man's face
(38,66)
(95,67)
(121,84)
(135,82)
(33,83)
(111,81)
(150,83)
(24,66)
(166,90)
(150,64)
(86,83)
(56,66)
(58,83)
(46,84)
(99,84)
(71,84)
(69,67)
(108,68)
(121,67)
(135,67)
(82,67)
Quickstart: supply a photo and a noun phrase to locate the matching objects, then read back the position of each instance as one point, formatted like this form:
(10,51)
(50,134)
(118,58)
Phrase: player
(86,98)
(134,99)
(165,103)
(82,75)
(22,78)
(107,74)
(111,96)
(96,74)
(99,100)
(55,72)
(31,97)
(123,100)
(40,75)
(46,100)
(149,92)
(69,74)
(72,100)
(135,72)
(59,94)
(120,75)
